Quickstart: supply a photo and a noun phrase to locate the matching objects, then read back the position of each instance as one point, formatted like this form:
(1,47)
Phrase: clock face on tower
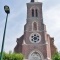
(35,38)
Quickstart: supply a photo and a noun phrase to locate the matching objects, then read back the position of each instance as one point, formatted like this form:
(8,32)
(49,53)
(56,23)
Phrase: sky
(17,20)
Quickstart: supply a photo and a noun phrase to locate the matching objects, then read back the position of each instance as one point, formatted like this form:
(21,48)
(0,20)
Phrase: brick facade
(46,46)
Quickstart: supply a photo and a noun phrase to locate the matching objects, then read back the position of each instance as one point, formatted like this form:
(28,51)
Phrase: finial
(32,0)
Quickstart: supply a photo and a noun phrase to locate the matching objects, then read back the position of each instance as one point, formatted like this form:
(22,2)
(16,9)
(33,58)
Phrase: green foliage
(56,56)
(12,56)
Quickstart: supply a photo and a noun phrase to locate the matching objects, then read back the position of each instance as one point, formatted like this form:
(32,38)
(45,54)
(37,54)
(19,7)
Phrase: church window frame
(36,12)
(34,26)
(32,13)
(35,39)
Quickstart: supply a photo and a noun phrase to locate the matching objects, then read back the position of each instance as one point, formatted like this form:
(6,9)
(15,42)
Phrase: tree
(56,56)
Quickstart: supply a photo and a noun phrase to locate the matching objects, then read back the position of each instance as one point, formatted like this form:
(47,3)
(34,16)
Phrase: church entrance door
(35,56)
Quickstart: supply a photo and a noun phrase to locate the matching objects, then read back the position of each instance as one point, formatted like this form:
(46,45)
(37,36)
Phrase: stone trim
(34,7)
(33,26)
(35,31)
(37,52)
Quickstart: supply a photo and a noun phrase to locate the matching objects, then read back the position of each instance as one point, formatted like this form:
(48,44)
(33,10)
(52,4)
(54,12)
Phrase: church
(35,43)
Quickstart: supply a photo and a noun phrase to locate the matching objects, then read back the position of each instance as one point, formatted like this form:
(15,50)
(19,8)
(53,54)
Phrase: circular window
(35,37)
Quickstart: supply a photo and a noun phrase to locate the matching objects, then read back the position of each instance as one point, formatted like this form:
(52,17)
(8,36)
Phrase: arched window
(32,12)
(34,26)
(36,12)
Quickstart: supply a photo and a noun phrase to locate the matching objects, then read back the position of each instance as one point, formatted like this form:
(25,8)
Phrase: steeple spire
(34,1)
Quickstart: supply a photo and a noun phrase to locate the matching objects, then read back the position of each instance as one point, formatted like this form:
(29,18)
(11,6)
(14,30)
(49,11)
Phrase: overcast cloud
(17,20)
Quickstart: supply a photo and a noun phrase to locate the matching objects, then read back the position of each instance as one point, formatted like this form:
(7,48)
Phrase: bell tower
(35,43)
(34,33)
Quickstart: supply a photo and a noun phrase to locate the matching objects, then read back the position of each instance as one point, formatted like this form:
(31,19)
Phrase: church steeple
(34,1)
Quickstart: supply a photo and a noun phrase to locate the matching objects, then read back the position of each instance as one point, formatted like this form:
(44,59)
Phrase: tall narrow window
(34,26)
(36,11)
(32,12)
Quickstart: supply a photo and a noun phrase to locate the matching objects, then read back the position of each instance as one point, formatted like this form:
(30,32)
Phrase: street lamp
(7,10)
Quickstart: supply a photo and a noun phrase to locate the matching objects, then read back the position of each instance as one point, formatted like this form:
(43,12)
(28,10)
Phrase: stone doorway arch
(35,55)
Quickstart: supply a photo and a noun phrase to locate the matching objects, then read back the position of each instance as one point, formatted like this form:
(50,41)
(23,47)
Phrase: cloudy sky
(17,20)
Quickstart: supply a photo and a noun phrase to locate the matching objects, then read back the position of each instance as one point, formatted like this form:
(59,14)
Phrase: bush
(56,56)
(12,56)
